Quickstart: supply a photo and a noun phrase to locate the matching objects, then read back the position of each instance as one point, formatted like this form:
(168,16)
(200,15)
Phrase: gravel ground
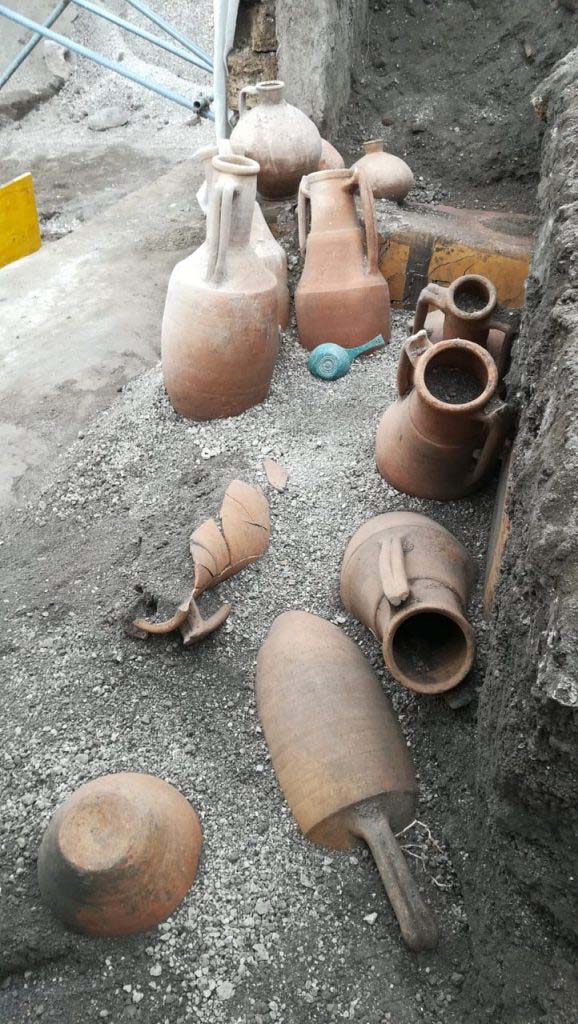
(275,929)
(78,172)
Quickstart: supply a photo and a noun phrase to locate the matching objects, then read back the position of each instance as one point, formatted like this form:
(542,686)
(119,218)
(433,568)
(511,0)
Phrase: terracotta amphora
(119,855)
(408,580)
(444,434)
(330,159)
(339,753)
(468,308)
(270,252)
(389,176)
(280,137)
(341,297)
(220,336)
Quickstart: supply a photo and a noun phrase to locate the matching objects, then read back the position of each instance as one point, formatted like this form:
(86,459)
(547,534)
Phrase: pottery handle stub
(508,321)
(247,90)
(416,921)
(431,295)
(219,234)
(410,353)
(368,206)
(392,571)
(498,425)
(302,198)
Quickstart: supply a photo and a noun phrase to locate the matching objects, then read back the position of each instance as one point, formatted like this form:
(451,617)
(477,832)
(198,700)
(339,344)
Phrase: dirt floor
(447,85)
(275,929)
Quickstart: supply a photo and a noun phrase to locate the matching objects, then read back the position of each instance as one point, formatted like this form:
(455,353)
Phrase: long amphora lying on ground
(339,753)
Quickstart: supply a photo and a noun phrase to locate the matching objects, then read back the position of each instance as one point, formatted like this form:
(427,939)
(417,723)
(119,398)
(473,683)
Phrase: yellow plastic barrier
(19,227)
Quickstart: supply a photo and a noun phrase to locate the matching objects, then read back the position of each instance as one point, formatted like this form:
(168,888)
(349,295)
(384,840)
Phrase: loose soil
(447,85)
(452,385)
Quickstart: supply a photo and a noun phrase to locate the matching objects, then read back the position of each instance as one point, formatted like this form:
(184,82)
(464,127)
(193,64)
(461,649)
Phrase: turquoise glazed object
(330,362)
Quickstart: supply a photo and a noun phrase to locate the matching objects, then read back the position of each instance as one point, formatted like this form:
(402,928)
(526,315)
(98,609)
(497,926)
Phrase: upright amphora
(220,334)
(342,296)
(283,140)
(268,249)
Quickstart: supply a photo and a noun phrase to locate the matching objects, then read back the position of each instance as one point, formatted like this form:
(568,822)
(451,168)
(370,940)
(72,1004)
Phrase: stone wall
(522,878)
(312,45)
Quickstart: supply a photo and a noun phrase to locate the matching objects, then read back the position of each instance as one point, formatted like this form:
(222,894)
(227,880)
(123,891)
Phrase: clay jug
(283,140)
(341,297)
(220,336)
(468,309)
(408,580)
(330,159)
(265,245)
(388,175)
(339,753)
(439,447)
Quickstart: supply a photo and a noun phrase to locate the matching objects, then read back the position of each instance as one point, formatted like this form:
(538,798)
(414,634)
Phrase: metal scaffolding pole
(115,20)
(98,58)
(20,57)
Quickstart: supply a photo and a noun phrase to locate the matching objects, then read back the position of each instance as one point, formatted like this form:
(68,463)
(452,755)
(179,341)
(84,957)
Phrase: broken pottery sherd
(119,855)
(339,753)
(281,138)
(468,309)
(388,175)
(408,580)
(276,474)
(444,434)
(341,294)
(217,553)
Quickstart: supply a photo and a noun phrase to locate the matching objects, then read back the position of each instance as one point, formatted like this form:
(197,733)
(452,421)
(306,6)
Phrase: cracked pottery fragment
(276,474)
(218,553)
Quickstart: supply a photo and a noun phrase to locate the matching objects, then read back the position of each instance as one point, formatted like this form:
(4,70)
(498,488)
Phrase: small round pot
(389,176)
(119,855)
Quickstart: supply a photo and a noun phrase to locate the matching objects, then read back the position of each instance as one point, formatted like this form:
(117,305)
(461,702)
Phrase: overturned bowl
(119,855)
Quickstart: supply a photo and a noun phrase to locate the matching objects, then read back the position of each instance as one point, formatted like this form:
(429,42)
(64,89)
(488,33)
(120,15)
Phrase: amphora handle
(219,234)
(392,570)
(302,198)
(508,321)
(247,90)
(368,206)
(498,425)
(411,352)
(431,295)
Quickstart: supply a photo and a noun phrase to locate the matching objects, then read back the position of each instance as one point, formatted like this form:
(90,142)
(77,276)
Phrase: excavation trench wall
(523,857)
(312,45)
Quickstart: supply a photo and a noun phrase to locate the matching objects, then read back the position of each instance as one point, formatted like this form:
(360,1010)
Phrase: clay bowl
(119,855)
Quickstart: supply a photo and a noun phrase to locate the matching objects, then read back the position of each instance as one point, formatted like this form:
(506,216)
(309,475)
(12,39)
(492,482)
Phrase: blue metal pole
(172,31)
(111,65)
(20,57)
(115,20)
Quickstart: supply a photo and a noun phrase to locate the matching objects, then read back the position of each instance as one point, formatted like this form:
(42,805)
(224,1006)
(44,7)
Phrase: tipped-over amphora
(339,753)
(409,580)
